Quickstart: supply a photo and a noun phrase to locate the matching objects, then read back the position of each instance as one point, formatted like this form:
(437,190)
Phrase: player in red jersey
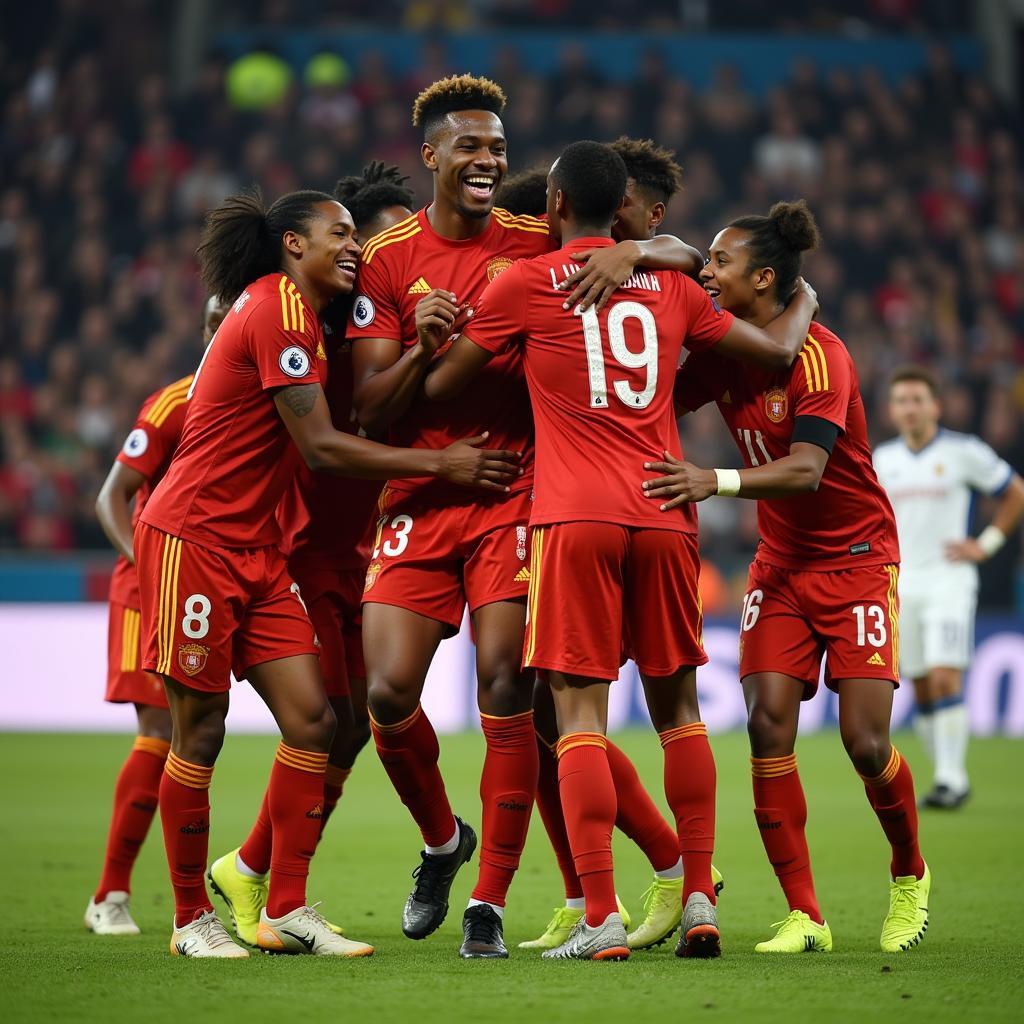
(216,596)
(137,469)
(439,549)
(653,178)
(609,577)
(823,580)
(327,527)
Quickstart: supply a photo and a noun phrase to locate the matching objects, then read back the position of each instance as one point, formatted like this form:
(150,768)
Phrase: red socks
(549,803)
(690,780)
(409,752)
(295,799)
(257,848)
(589,806)
(507,787)
(891,796)
(334,784)
(185,816)
(781,813)
(638,816)
(135,802)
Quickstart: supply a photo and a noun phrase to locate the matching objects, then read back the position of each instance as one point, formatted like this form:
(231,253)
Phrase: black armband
(815,430)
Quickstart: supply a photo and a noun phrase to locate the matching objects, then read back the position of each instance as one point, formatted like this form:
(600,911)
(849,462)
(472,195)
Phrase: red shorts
(435,561)
(126,681)
(333,598)
(601,593)
(791,618)
(209,611)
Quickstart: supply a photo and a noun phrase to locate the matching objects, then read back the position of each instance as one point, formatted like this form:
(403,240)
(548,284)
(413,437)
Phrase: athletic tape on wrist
(728,482)
(990,540)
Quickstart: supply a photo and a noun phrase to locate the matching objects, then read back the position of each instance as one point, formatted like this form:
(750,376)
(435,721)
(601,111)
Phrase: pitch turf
(52,830)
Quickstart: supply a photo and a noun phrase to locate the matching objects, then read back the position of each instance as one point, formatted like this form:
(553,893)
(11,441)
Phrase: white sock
(924,726)
(676,871)
(576,903)
(244,869)
(449,847)
(500,911)
(951,734)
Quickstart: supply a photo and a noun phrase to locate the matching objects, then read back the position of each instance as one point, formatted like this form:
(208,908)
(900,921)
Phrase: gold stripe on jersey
(293,316)
(168,602)
(894,614)
(811,372)
(533,592)
(823,362)
(130,640)
(403,229)
(173,394)
(298,310)
(521,222)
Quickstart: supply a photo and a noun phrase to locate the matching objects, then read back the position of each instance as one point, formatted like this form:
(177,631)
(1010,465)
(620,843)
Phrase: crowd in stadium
(107,173)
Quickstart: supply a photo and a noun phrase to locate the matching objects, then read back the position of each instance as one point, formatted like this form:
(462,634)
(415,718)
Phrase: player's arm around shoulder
(777,344)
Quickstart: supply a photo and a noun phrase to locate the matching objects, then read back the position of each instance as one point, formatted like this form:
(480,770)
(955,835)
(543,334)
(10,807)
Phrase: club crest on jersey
(521,543)
(372,572)
(363,311)
(192,658)
(294,361)
(498,266)
(776,404)
(136,443)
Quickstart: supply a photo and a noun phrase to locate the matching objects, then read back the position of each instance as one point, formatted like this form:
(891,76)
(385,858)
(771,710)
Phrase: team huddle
(401,417)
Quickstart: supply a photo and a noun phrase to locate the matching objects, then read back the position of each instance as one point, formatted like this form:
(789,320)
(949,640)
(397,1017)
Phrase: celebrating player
(214,589)
(653,177)
(327,525)
(930,474)
(823,579)
(441,549)
(608,576)
(138,468)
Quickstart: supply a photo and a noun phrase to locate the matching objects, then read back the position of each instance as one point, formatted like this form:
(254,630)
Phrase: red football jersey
(398,267)
(322,515)
(601,384)
(235,458)
(148,450)
(848,521)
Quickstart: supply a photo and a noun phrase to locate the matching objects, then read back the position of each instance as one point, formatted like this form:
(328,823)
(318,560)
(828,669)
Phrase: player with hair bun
(823,579)
(611,577)
(215,592)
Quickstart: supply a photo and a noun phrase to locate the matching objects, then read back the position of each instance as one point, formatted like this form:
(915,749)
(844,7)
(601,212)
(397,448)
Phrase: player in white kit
(931,475)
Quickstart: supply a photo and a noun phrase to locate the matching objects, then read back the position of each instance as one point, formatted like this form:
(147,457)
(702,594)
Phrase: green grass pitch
(970,966)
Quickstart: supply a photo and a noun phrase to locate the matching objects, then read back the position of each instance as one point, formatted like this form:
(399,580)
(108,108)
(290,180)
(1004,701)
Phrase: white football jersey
(931,492)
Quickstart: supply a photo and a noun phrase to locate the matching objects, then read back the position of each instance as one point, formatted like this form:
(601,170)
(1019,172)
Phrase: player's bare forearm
(305,413)
(666,252)
(777,344)
(449,376)
(796,473)
(384,390)
(1010,510)
(114,507)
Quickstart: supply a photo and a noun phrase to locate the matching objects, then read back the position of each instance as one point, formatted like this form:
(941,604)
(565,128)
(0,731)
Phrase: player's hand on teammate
(966,550)
(466,463)
(802,286)
(682,482)
(603,271)
(438,317)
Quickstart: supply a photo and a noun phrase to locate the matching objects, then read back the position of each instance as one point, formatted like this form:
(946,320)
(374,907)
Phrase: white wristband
(990,540)
(728,482)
